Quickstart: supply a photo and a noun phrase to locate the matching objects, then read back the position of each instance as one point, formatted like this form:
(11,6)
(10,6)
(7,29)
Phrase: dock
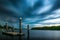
(20,33)
(13,33)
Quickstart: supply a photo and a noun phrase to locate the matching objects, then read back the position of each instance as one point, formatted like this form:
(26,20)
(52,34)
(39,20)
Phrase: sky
(33,12)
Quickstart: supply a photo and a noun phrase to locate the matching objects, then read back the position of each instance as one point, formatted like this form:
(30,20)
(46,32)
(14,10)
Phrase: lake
(46,34)
(42,34)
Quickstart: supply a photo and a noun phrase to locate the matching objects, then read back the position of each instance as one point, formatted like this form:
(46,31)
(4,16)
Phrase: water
(47,34)
(42,34)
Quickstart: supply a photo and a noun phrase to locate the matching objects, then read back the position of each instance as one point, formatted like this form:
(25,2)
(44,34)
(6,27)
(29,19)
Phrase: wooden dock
(20,33)
(13,33)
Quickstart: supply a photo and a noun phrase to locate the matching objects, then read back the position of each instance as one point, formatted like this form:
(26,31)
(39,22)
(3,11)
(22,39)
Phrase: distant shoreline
(46,28)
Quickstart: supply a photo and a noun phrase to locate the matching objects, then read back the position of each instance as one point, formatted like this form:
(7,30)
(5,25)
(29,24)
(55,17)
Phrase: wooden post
(28,32)
(6,27)
(20,29)
(20,24)
(13,29)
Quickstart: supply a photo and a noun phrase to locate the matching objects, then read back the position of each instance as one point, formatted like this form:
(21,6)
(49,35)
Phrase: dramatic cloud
(57,20)
(55,14)
(33,12)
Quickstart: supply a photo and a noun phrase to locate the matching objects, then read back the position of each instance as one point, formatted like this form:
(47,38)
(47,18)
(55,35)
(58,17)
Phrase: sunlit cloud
(47,5)
(43,25)
(55,14)
(48,2)
(44,9)
(57,20)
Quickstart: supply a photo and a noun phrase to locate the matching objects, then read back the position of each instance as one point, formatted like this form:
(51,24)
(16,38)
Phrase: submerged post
(28,32)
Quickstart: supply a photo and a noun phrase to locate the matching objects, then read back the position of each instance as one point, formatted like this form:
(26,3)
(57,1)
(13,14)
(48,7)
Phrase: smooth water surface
(43,33)
(40,35)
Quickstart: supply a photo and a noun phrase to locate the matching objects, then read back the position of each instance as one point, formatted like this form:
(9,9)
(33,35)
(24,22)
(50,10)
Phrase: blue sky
(33,12)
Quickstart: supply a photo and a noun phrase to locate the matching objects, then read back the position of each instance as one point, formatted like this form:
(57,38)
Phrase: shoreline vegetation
(9,27)
(46,28)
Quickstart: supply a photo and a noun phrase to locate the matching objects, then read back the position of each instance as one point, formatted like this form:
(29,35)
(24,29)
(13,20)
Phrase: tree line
(4,27)
(46,28)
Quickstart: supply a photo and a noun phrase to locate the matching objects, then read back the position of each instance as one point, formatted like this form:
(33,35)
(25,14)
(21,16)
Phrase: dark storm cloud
(37,4)
(56,5)
(16,3)
(6,11)
(20,6)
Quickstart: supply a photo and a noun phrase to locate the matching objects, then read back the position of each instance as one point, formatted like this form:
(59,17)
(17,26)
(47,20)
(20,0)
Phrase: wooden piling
(28,32)
(20,24)
(20,29)
(6,26)
(13,29)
